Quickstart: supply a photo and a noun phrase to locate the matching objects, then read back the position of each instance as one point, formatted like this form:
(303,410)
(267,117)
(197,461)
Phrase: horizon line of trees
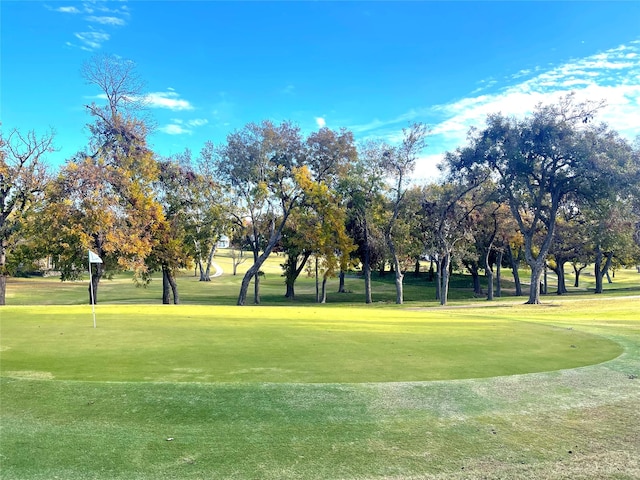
(551,189)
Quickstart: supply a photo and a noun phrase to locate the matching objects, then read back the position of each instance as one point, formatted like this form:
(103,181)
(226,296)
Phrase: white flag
(93,258)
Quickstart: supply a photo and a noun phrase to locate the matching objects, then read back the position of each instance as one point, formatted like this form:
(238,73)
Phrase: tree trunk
(534,287)
(489,274)
(366,267)
(3,289)
(317,283)
(289,291)
(498,274)
(174,289)
(600,269)
(444,288)
(577,271)
(475,276)
(399,287)
(166,288)
(416,270)
(341,287)
(256,288)
(323,294)
(250,274)
(515,266)
(367,282)
(3,274)
(258,261)
(237,259)
(559,271)
(203,275)
(487,256)
(292,272)
(438,275)
(207,272)
(169,287)
(244,286)
(397,269)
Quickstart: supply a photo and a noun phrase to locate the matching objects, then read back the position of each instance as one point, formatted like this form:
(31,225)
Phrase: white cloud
(114,21)
(92,40)
(168,100)
(66,10)
(197,122)
(174,129)
(181,127)
(608,75)
(613,75)
(320,122)
(427,168)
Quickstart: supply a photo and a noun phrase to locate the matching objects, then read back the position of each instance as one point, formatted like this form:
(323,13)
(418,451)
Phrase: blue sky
(211,67)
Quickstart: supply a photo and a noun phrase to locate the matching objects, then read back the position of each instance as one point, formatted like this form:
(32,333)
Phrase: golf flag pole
(93,258)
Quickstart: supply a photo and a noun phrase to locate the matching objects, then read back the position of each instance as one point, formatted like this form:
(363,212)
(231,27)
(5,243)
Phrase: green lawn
(285,344)
(304,391)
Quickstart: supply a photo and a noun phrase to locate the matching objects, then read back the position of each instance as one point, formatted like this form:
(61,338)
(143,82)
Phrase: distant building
(223,242)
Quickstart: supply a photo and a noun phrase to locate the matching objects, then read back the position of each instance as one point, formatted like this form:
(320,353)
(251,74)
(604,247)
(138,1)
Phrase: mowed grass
(283,344)
(339,391)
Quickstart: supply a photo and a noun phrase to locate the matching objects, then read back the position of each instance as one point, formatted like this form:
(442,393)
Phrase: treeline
(552,189)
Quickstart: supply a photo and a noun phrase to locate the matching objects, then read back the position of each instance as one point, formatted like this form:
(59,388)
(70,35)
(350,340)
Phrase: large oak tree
(553,155)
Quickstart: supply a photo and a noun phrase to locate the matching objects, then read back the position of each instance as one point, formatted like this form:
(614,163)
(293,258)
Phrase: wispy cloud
(115,21)
(91,40)
(197,122)
(174,129)
(170,100)
(613,76)
(182,127)
(320,122)
(66,10)
(98,16)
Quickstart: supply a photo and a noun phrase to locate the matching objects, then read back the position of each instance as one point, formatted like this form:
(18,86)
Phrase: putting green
(284,344)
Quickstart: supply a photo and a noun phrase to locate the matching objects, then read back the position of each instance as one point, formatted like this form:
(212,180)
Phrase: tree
(122,88)
(104,200)
(259,164)
(181,192)
(23,176)
(447,209)
(399,163)
(569,241)
(486,227)
(610,227)
(209,211)
(325,232)
(540,161)
(328,155)
(362,189)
